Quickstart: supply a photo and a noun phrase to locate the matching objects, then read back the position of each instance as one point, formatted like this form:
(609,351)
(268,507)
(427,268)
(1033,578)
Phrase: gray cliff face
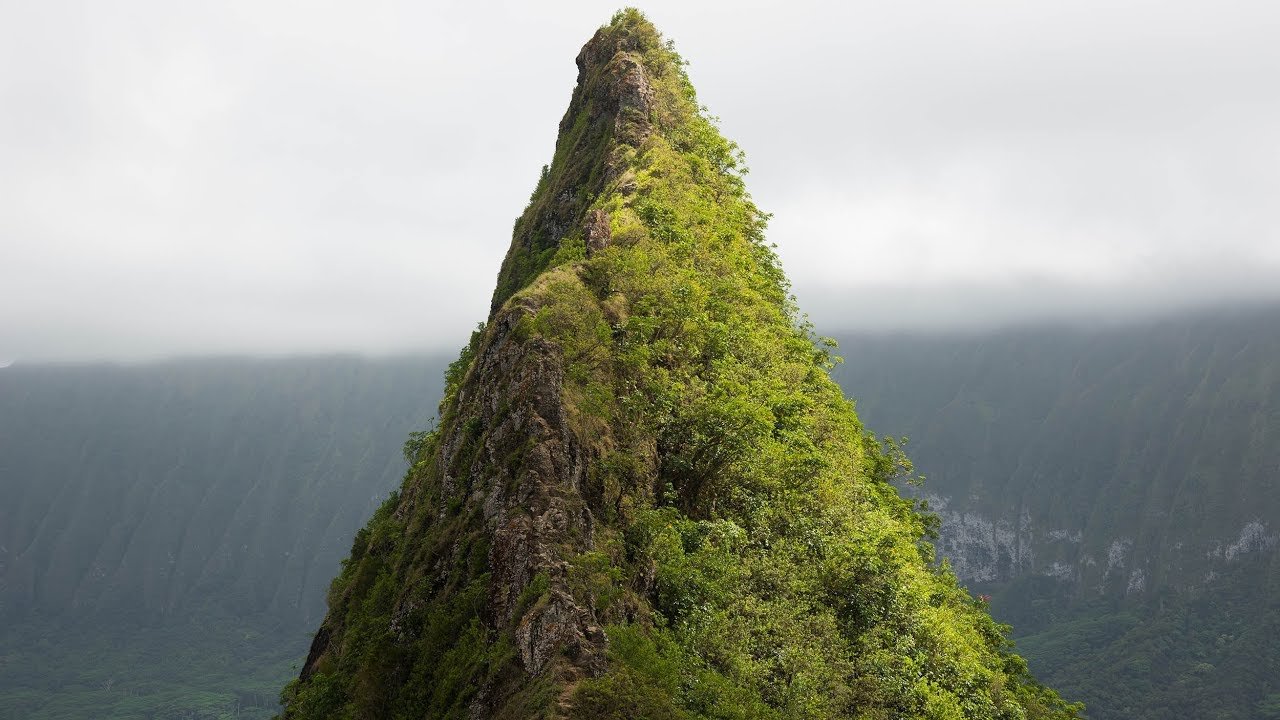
(535,510)
(983,549)
(1121,462)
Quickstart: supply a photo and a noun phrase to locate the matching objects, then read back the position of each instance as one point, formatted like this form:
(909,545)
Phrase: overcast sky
(271,177)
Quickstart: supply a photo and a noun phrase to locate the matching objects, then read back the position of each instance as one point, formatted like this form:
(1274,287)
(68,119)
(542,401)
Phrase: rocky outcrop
(510,455)
(611,114)
(984,550)
(533,505)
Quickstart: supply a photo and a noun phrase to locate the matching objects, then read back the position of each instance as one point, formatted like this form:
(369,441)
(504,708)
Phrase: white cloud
(287,176)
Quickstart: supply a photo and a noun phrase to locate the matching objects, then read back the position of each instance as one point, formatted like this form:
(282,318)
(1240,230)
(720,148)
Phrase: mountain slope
(196,502)
(646,497)
(167,530)
(1116,491)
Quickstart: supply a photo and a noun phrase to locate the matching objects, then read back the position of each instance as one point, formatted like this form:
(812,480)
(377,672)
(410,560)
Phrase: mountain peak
(630,84)
(614,72)
(629,32)
(645,497)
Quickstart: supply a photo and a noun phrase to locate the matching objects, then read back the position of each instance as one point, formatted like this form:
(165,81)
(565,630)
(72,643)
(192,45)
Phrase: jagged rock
(597,230)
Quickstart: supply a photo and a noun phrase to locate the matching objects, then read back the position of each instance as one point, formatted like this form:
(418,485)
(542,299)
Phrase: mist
(275,178)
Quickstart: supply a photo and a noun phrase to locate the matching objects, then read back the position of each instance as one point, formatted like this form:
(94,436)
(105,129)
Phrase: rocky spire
(612,111)
(646,498)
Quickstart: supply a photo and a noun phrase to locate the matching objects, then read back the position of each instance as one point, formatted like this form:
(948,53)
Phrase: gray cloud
(291,177)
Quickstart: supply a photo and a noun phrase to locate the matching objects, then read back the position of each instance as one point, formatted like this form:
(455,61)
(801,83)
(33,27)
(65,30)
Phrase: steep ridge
(1117,492)
(645,496)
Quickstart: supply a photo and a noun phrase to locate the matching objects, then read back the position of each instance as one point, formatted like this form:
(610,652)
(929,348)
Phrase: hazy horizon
(259,179)
(445,349)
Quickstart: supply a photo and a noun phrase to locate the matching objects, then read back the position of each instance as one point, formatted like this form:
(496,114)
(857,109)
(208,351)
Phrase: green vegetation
(749,558)
(1131,471)
(1206,654)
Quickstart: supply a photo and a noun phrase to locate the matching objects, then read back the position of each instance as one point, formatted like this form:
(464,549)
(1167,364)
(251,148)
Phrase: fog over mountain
(280,178)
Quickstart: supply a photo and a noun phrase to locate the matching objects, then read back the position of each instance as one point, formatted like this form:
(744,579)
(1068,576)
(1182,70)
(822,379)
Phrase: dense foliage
(752,559)
(1205,653)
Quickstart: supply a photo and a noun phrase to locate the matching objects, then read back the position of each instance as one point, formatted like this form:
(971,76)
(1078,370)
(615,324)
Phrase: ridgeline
(645,497)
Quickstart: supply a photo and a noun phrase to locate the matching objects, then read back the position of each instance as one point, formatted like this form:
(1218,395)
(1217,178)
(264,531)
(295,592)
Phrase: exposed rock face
(537,512)
(535,508)
(611,115)
(511,454)
(528,471)
(597,231)
(983,549)
(624,95)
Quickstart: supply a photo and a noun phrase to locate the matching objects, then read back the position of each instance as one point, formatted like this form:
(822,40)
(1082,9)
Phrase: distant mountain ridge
(1136,459)
(1117,492)
(154,509)
(215,478)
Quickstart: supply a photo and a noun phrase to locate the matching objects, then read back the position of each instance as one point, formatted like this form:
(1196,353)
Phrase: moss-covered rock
(646,497)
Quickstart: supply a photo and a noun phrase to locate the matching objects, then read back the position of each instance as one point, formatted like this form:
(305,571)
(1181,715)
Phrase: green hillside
(1116,491)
